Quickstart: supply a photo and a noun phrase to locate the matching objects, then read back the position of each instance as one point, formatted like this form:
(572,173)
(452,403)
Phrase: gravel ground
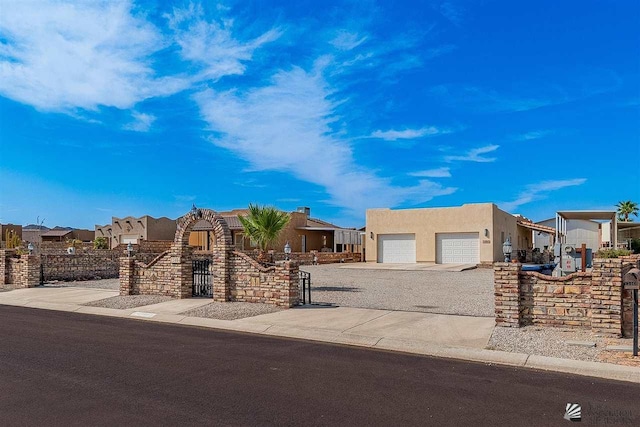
(95,284)
(128,301)
(552,342)
(463,293)
(546,342)
(231,310)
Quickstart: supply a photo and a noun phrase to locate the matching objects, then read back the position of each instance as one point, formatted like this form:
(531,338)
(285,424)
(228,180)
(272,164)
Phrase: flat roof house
(131,229)
(467,234)
(62,234)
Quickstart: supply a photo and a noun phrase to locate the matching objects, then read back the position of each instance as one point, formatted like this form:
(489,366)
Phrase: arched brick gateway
(181,252)
(220,227)
(236,276)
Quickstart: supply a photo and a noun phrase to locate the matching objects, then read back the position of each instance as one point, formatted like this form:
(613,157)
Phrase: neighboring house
(13,229)
(467,234)
(578,231)
(303,233)
(131,229)
(62,234)
(33,233)
(627,231)
(595,229)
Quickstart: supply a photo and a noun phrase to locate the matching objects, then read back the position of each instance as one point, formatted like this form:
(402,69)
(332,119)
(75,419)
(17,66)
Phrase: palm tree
(627,208)
(263,225)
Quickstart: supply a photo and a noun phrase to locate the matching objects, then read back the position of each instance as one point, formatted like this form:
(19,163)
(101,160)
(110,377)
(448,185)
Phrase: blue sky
(132,108)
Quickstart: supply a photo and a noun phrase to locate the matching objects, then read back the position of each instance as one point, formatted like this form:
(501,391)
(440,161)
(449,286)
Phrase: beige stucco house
(131,229)
(471,233)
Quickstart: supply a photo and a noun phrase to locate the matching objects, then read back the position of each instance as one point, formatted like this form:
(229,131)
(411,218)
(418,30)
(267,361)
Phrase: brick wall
(13,273)
(60,248)
(99,264)
(251,282)
(158,277)
(307,258)
(18,271)
(606,294)
(594,300)
(145,247)
(243,279)
(506,294)
(555,301)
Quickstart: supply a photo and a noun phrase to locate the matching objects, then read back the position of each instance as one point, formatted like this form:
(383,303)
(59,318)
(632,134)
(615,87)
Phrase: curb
(553,364)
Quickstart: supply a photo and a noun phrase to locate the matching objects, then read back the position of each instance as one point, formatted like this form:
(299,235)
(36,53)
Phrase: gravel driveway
(465,293)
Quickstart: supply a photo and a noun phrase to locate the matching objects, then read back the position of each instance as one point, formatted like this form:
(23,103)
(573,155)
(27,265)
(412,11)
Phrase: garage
(129,239)
(457,248)
(397,248)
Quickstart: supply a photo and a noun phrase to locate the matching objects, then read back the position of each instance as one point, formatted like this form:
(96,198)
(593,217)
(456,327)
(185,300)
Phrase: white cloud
(532,135)
(392,135)
(286,126)
(475,155)
(346,40)
(452,12)
(490,101)
(538,191)
(433,173)
(62,57)
(141,122)
(212,44)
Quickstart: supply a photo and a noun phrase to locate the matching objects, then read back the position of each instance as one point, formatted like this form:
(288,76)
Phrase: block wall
(594,300)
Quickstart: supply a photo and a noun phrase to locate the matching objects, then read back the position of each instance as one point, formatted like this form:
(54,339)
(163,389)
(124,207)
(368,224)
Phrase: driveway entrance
(468,293)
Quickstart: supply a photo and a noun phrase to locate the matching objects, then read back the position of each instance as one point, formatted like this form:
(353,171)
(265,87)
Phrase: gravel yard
(128,301)
(231,310)
(113,284)
(464,293)
(546,341)
(553,342)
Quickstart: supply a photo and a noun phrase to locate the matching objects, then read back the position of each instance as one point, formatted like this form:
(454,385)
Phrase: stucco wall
(425,223)
(160,228)
(506,225)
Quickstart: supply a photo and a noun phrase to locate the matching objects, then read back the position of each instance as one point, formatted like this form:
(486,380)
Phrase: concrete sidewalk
(458,337)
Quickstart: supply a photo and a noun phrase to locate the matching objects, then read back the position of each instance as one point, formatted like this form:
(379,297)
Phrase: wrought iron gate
(202,278)
(305,287)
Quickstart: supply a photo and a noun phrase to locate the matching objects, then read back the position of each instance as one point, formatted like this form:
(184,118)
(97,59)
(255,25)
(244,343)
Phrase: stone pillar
(507,293)
(30,271)
(221,290)
(127,275)
(606,297)
(182,270)
(291,292)
(3,268)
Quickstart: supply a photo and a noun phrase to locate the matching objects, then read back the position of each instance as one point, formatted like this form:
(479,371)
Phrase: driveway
(463,293)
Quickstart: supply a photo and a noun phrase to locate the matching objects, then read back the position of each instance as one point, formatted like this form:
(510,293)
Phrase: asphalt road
(60,368)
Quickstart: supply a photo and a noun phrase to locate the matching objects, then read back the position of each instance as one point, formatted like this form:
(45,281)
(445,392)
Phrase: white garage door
(129,239)
(397,248)
(457,248)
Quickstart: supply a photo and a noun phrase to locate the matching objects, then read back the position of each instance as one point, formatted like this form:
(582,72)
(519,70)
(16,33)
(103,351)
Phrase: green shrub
(635,246)
(612,253)
(100,243)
